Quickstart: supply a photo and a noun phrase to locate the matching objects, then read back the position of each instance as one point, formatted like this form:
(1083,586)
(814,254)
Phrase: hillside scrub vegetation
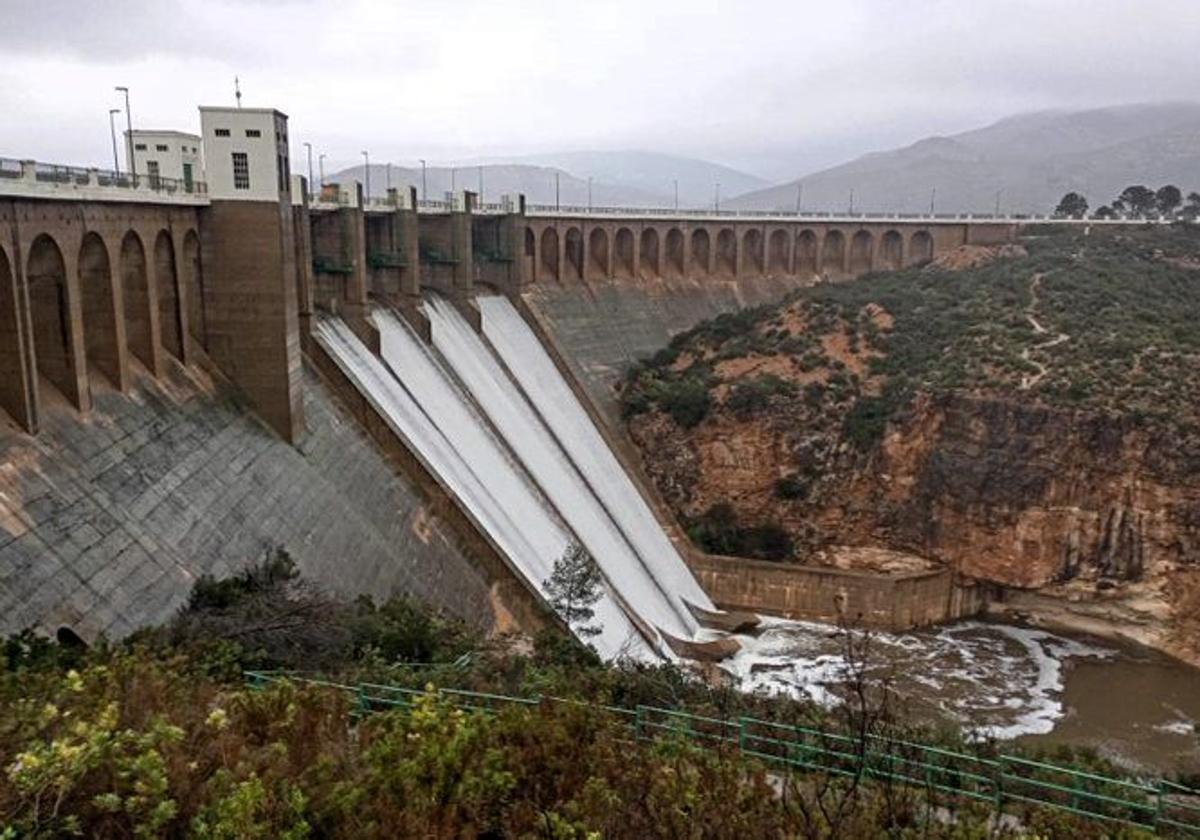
(1101,323)
(160,736)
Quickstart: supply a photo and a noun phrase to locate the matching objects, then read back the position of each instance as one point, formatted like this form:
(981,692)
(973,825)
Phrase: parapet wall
(805,593)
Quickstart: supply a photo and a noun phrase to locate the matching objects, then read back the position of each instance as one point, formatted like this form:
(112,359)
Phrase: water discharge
(645,581)
(524,355)
(424,407)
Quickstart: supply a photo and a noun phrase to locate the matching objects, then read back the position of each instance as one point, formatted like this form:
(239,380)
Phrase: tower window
(162,147)
(141,147)
(221,132)
(241,171)
(253,132)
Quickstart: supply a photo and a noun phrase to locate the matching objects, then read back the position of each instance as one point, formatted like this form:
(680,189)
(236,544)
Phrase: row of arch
(563,256)
(138,299)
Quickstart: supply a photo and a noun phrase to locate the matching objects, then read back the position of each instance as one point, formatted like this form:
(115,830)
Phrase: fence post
(1158,803)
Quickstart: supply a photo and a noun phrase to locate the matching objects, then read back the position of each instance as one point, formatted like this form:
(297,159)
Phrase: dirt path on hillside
(1027,381)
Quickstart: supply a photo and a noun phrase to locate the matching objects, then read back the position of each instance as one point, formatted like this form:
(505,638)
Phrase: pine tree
(573,588)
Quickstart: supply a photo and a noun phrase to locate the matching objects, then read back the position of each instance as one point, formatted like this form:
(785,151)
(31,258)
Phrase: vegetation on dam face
(161,737)
(1029,415)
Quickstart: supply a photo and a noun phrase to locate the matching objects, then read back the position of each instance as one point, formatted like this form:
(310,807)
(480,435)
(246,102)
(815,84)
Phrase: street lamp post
(557,205)
(676,183)
(129,131)
(367,171)
(389,178)
(308,148)
(112,130)
(589,193)
(852,201)
(481,185)
(799,197)
(932,199)
(424,182)
(321,167)
(717,197)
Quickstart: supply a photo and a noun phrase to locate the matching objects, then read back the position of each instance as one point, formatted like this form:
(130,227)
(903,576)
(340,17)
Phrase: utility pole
(129,132)
(367,171)
(308,149)
(112,129)
(557,205)
(424,183)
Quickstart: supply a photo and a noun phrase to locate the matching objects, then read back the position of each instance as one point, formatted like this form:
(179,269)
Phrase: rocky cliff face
(1083,512)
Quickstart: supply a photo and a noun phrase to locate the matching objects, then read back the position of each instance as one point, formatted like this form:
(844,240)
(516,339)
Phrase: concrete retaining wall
(885,602)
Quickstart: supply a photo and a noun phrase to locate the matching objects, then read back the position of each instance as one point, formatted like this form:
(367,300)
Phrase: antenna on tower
(237,90)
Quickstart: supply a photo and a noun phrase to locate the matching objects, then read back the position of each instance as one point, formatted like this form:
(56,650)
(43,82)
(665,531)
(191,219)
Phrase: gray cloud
(776,86)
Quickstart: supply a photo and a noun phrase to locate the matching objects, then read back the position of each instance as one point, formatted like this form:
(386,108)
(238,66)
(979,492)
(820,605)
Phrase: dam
(405,395)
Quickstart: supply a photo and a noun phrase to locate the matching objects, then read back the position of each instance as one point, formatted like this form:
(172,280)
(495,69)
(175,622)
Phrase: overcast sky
(775,88)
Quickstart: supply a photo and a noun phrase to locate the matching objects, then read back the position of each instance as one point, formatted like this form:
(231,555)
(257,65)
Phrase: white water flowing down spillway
(422,404)
(523,354)
(649,576)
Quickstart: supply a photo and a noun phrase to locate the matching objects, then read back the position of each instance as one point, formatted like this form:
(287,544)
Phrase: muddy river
(1135,706)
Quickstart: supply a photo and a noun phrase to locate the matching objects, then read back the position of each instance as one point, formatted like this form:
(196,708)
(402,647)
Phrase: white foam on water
(445,435)
(651,598)
(1001,681)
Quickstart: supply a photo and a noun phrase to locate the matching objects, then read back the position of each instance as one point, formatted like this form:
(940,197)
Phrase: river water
(1135,706)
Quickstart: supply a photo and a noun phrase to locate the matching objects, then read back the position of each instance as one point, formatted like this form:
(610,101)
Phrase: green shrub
(687,401)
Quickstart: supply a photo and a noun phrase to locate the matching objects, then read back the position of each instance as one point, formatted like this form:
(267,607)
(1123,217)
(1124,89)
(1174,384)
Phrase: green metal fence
(1001,781)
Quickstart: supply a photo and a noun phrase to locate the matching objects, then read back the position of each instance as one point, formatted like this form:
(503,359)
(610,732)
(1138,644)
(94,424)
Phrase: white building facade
(245,154)
(166,154)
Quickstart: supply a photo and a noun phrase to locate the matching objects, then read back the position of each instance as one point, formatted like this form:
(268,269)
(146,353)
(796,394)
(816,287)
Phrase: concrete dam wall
(602,327)
(105,522)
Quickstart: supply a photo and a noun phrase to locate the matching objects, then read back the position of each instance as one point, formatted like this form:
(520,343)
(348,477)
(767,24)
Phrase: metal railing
(55,176)
(1001,781)
(821,215)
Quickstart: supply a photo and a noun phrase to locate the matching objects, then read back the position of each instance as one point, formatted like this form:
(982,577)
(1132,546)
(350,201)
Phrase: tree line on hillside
(1135,202)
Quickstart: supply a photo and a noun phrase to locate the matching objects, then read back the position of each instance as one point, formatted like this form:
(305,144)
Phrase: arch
(752,251)
(135,289)
(920,248)
(530,254)
(648,254)
(46,273)
(550,253)
(193,290)
(574,253)
(806,252)
(166,281)
(623,258)
(727,253)
(833,251)
(860,252)
(103,326)
(598,253)
(701,252)
(673,265)
(891,250)
(778,261)
(13,397)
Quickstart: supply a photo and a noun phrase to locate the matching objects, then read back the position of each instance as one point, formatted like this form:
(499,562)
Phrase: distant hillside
(655,173)
(637,179)
(1027,161)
